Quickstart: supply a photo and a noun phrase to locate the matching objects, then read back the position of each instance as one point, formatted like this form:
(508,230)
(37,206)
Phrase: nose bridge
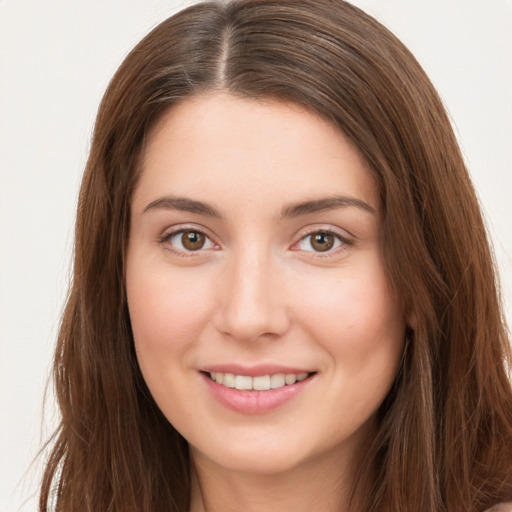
(252,305)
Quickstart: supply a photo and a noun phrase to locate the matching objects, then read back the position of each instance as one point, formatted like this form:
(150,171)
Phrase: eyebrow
(183,204)
(292,210)
(324,204)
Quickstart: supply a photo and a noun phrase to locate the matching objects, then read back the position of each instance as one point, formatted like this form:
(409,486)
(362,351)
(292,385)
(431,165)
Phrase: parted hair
(444,433)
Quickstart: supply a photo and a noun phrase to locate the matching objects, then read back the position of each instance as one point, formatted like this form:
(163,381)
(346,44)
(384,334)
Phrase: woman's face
(264,324)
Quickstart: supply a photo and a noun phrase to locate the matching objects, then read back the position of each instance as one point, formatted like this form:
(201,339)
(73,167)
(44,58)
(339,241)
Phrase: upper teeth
(260,383)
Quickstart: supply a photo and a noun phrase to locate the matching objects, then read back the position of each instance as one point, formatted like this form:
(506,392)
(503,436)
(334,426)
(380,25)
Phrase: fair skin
(254,250)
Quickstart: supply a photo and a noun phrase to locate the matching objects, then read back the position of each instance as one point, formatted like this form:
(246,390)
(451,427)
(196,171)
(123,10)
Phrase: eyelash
(343,242)
(165,240)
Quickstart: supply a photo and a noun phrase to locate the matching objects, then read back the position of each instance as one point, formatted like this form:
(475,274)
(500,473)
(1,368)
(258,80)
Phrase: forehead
(255,151)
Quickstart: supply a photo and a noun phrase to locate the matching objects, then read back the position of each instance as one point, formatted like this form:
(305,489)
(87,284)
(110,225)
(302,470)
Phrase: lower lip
(255,402)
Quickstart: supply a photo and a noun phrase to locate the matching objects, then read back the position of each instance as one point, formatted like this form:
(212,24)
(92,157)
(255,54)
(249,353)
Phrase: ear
(412,320)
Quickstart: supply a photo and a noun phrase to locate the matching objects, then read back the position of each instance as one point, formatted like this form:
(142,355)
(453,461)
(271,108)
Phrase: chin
(253,462)
(264,456)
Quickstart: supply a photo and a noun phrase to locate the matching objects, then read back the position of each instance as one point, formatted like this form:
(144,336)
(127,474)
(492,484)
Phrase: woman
(283,295)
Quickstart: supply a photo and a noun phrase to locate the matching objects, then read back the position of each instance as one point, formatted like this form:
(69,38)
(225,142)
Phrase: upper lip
(254,370)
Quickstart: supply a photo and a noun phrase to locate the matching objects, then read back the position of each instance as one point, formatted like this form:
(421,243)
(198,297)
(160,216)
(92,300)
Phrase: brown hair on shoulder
(444,439)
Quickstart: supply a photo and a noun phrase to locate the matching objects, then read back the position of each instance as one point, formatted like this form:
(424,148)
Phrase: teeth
(260,383)
(228,380)
(290,379)
(243,382)
(278,380)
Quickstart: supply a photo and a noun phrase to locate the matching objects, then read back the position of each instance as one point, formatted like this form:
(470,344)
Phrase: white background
(56,57)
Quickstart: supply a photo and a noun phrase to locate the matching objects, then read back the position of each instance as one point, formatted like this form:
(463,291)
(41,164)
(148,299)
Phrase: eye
(188,240)
(320,241)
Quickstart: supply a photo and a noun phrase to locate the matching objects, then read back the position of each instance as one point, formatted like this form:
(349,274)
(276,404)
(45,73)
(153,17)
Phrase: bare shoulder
(501,507)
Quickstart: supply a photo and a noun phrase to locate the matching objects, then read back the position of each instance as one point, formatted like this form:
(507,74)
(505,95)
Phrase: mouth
(266,388)
(258,383)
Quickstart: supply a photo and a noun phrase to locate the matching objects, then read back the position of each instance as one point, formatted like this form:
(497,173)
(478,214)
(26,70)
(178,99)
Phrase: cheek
(356,318)
(167,309)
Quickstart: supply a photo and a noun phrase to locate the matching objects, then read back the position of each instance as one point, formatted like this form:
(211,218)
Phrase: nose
(252,297)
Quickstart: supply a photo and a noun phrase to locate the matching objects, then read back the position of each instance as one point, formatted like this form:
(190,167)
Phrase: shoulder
(501,507)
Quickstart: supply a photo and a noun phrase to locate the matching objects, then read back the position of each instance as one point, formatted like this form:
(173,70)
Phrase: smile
(257,394)
(259,383)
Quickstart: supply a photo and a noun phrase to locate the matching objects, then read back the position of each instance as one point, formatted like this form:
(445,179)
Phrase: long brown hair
(444,440)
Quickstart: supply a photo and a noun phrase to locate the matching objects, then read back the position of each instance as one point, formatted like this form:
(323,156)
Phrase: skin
(259,292)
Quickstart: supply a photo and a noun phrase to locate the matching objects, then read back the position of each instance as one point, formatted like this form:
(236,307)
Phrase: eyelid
(175,230)
(343,236)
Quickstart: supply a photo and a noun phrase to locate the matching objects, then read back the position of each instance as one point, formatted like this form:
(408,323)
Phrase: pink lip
(253,371)
(255,402)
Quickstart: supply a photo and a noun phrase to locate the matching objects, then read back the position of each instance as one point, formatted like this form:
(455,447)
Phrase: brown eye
(188,240)
(322,242)
(192,240)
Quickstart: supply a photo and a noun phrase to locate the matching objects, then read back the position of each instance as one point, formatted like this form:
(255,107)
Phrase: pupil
(192,240)
(322,242)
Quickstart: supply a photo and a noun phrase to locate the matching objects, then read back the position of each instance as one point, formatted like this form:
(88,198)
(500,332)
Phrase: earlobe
(412,321)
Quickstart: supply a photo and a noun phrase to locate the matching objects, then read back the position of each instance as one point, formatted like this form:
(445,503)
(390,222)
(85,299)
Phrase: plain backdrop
(56,58)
